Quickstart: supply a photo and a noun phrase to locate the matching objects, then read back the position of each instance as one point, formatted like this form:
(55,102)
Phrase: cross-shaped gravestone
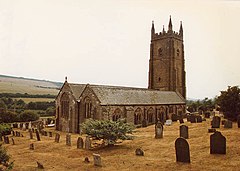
(182,150)
(184,131)
(217,143)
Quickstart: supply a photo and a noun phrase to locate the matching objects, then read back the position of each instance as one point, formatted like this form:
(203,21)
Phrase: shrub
(5,129)
(4,159)
(8,117)
(107,130)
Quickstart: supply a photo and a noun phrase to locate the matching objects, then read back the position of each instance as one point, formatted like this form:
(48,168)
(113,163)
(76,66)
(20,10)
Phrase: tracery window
(150,114)
(87,107)
(138,116)
(117,114)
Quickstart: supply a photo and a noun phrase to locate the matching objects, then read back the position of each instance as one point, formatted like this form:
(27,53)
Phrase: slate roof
(115,95)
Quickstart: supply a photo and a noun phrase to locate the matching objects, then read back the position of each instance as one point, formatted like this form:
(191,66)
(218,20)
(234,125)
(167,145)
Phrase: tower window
(160,52)
(178,52)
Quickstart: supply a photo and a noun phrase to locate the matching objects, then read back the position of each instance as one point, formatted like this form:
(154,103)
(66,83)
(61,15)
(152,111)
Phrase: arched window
(160,52)
(150,114)
(65,106)
(138,116)
(87,107)
(117,114)
(178,52)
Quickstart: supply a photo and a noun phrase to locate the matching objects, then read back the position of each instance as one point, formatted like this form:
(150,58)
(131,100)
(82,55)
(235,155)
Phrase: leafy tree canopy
(107,130)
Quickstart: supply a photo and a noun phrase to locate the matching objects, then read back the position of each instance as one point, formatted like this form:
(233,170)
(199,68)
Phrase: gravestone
(57,137)
(144,123)
(181,121)
(37,135)
(31,147)
(13,133)
(17,134)
(97,159)
(184,131)
(199,119)
(18,125)
(217,143)
(6,139)
(80,143)
(158,130)
(31,134)
(193,118)
(228,124)
(182,150)
(68,139)
(207,115)
(13,142)
(86,160)
(24,127)
(50,134)
(168,122)
(39,165)
(174,117)
(216,122)
(30,125)
(139,152)
(21,126)
(211,130)
(88,143)
(238,121)
(223,122)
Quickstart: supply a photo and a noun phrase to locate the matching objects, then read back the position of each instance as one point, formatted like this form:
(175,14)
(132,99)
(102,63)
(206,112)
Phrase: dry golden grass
(159,153)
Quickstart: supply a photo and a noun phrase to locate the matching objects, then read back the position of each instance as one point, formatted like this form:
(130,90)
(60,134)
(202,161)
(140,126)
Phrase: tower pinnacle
(181,30)
(153,29)
(170,25)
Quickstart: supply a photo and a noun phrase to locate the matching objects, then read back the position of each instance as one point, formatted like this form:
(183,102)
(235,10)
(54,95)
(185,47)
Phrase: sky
(108,41)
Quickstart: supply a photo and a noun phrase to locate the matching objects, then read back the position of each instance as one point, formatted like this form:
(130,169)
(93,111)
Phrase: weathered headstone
(193,118)
(50,134)
(217,143)
(37,135)
(97,159)
(24,127)
(31,134)
(13,142)
(238,121)
(31,147)
(39,165)
(13,133)
(182,150)
(199,118)
(88,143)
(168,122)
(211,130)
(228,124)
(184,131)
(68,139)
(174,117)
(158,130)
(139,152)
(80,143)
(6,139)
(216,122)
(57,137)
(144,123)
(86,160)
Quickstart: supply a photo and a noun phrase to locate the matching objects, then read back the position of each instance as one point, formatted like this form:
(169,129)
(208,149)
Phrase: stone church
(164,96)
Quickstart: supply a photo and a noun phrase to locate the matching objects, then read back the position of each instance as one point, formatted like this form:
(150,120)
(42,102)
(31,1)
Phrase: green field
(27,100)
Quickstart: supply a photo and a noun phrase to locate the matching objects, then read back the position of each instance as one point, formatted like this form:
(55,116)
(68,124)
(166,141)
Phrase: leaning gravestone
(97,159)
(68,139)
(184,131)
(37,135)
(88,143)
(6,139)
(158,130)
(80,143)
(57,137)
(216,122)
(228,124)
(217,143)
(238,121)
(182,150)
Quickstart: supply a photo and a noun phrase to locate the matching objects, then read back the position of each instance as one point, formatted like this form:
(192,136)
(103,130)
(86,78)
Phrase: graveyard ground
(159,153)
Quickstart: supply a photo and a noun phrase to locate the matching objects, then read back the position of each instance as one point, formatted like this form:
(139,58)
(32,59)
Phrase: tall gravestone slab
(97,159)
(228,124)
(238,121)
(6,139)
(57,137)
(68,139)
(37,135)
(217,143)
(88,143)
(182,150)
(80,143)
(216,122)
(158,130)
(184,131)
(13,142)
(31,134)
(193,119)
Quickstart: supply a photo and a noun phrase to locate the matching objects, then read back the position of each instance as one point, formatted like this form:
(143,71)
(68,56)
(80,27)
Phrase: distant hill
(11,84)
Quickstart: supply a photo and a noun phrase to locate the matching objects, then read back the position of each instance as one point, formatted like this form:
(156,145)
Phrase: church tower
(167,63)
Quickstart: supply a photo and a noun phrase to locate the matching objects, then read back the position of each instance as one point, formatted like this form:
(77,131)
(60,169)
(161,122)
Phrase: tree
(8,117)
(28,116)
(51,111)
(107,130)
(229,102)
